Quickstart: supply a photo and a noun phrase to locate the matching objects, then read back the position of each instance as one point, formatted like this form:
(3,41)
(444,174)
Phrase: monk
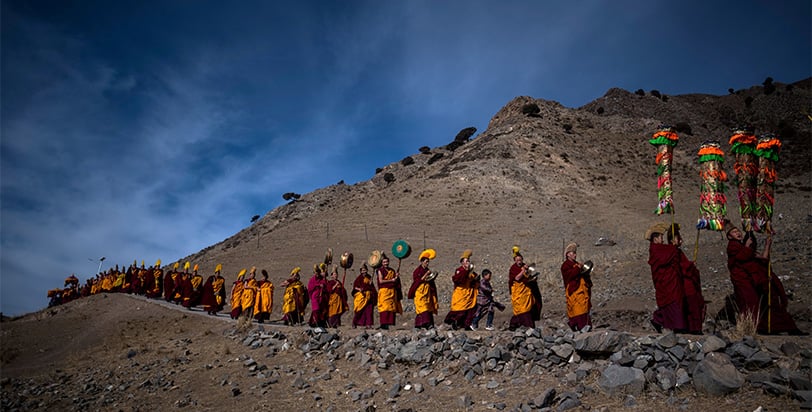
(263,306)
(364,294)
(577,289)
(317,289)
(213,295)
(295,299)
(249,293)
(424,292)
(463,299)
(680,305)
(169,283)
(758,293)
(524,295)
(389,294)
(337,300)
(236,295)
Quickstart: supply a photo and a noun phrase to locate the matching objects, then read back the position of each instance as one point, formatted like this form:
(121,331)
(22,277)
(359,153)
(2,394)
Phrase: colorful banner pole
(664,139)
(767,152)
(742,146)
(712,200)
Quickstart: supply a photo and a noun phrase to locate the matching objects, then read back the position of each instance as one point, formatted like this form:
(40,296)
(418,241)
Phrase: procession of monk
(323,300)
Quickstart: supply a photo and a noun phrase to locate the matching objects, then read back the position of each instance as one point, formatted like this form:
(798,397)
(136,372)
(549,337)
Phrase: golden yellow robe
(249,293)
(521,297)
(424,300)
(464,295)
(236,295)
(362,298)
(289,303)
(264,300)
(107,283)
(217,286)
(388,297)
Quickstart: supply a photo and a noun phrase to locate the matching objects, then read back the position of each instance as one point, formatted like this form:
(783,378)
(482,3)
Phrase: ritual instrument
(374,259)
(586,268)
(531,272)
(430,276)
(664,139)
(401,250)
(743,146)
(328,257)
(767,152)
(345,262)
(712,200)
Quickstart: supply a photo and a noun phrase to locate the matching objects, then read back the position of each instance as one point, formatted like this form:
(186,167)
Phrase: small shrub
(664,98)
(567,127)
(407,161)
(290,196)
(465,134)
(731,91)
(683,127)
(425,150)
(531,109)
(788,87)
(436,157)
(746,324)
(388,177)
(640,92)
(748,101)
(655,93)
(378,170)
(453,145)
(600,110)
(769,87)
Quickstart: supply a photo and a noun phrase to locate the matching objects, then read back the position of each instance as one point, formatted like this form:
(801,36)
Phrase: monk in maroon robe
(758,292)
(669,289)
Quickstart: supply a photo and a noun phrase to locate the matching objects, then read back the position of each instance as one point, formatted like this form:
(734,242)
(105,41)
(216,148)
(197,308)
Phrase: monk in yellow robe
(336,300)
(263,306)
(526,304)
(577,289)
(249,293)
(424,292)
(363,293)
(463,299)
(236,295)
(389,294)
(295,299)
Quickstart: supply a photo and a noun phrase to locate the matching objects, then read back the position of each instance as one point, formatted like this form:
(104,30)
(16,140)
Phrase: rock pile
(627,366)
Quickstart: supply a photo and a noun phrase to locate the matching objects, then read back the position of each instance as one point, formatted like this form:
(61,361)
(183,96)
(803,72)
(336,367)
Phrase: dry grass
(746,324)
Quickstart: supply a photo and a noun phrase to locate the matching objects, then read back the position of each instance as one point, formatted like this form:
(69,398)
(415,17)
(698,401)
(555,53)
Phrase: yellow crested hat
(186,265)
(176,265)
(295,270)
(515,250)
(158,263)
(466,254)
(428,253)
(218,268)
(197,266)
(242,273)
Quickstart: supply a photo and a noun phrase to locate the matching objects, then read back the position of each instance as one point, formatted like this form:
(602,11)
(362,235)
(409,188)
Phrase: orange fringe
(743,138)
(668,135)
(711,151)
(770,144)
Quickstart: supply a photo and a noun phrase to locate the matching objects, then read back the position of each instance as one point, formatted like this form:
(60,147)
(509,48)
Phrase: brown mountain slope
(539,181)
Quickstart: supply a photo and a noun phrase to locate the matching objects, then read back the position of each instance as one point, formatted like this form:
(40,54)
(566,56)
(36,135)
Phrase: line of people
(678,291)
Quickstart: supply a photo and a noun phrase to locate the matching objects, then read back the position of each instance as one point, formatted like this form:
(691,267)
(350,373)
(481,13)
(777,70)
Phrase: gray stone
(564,351)
(545,399)
(716,375)
(492,384)
(758,360)
(713,343)
(620,379)
(418,388)
(465,401)
(394,391)
(667,341)
(599,342)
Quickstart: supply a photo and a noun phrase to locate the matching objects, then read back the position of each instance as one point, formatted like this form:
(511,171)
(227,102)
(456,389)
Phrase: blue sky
(150,130)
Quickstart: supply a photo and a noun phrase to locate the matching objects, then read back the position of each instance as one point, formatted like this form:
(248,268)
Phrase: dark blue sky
(124,124)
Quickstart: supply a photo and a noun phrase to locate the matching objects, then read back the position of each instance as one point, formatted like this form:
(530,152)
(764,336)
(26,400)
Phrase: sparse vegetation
(424,150)
(378,170)
(407,161)
(683,127)
(453,145)
(748,101)
(769,87)
(655,93)
(600,110)
(567,127)
(465,134)
(640,92)
(531,109)
(290,196)
(436,157)
(388,177)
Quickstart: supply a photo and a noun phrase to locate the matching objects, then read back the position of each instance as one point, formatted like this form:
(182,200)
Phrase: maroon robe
(366,316)
(668,287)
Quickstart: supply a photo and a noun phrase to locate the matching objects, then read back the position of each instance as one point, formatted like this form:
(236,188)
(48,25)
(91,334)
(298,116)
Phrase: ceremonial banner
(767,153)
(712,200)
(665,139)
(743,146)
